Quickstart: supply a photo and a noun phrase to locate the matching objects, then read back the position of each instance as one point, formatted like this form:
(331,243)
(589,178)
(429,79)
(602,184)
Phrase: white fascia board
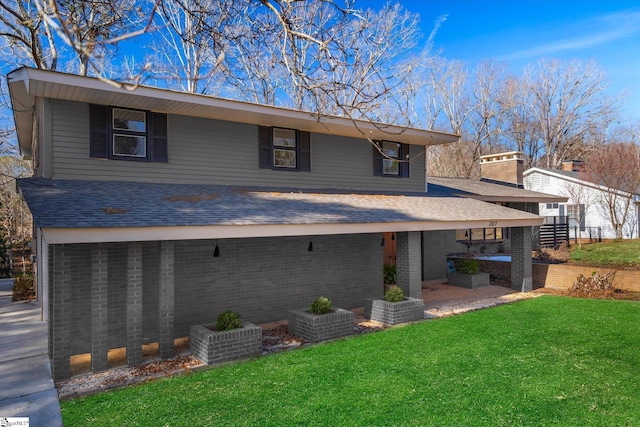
(135,234)
(509,199)
(22,105)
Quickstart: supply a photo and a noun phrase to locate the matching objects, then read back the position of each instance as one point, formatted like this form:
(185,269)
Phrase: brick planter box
(470,281)
(392,313)
(315,328)
(213,347)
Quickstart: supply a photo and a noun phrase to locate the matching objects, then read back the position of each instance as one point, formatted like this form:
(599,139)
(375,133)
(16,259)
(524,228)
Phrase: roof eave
(34,82)
(22,106)
(523,199)
(130,234)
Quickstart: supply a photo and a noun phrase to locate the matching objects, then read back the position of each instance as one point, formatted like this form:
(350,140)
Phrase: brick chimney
(503,168)
(573,165)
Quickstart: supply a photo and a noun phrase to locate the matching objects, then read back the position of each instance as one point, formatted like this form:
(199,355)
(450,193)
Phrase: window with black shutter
(390,159)
(126,134)
(284,149)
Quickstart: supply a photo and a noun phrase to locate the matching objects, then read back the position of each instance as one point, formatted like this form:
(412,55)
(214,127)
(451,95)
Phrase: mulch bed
(274,339)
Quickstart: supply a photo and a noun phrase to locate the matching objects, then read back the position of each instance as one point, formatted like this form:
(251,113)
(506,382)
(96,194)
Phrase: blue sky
(523,31)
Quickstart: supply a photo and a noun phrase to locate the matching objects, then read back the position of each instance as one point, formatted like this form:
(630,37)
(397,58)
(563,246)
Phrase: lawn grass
(547,361)
(619,253)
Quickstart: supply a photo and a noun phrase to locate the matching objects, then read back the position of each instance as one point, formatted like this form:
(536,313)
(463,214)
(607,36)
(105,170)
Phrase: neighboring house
(501,183)
(585,210)
(155,210)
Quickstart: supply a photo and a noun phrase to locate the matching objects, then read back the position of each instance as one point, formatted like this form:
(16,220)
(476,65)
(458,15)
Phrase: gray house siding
(260,278)
(206,151)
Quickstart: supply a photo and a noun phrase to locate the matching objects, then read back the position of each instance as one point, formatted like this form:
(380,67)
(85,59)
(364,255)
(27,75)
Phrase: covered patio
(125,264)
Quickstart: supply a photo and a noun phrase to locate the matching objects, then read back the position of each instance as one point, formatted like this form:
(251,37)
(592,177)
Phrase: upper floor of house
(78,128)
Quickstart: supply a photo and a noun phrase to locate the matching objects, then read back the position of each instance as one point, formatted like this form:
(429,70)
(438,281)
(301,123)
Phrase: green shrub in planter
(320,306)
(389,274)
(470,266)
(228,320)
(394,295)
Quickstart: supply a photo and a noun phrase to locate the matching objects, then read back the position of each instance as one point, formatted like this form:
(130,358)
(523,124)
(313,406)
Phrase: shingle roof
(101,204)
(487,191)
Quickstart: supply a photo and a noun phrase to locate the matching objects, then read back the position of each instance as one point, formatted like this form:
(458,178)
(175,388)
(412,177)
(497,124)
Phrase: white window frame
(390,161)
(285,148)
(129,133)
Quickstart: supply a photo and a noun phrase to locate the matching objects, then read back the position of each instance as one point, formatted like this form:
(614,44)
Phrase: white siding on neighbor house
(203,151)
(595,216)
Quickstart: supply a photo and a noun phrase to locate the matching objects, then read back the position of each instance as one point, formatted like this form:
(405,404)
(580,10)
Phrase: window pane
(129,120)
(390,167)
(498,233)
(125,145)
(477,234)
(462,234)
(284,158)
(284,137)
(489,233)
(391,149)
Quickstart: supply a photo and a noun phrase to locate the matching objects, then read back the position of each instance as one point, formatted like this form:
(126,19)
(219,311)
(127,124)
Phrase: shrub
(470,266)
(23,288)
(320,306)
(5,257)
(394,295)
(389,273)
(596,285)
(228,320)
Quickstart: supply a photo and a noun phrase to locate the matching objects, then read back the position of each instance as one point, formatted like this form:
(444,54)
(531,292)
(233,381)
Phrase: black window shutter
(304,139)
(264,142)
(159,146)
(377,160)
(404,155)
(98,132)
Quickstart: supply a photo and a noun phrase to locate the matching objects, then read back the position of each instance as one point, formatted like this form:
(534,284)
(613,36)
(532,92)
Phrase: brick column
(165,300)
(60,327)
(521,268)
(408,261)
(99,308)
(134,303)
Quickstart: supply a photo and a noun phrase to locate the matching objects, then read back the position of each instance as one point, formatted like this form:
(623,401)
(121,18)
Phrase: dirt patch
(190,198)
(552,255)
(115,211)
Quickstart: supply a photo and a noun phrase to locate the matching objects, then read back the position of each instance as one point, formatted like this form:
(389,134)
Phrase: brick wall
(562,276)
(259,278)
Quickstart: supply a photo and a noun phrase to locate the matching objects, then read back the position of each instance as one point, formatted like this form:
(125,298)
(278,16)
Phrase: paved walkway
(26,386)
